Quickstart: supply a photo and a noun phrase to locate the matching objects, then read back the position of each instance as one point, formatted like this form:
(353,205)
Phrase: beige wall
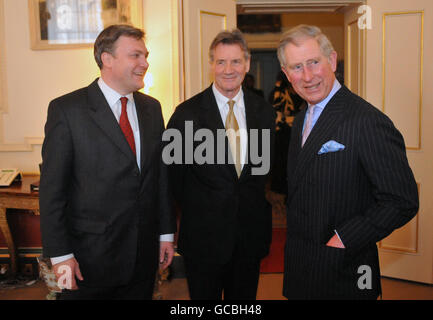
(30,79)
(161,26)
(399,78)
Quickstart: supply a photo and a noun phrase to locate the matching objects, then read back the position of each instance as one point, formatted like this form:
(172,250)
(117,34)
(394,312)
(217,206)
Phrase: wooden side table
(16,196)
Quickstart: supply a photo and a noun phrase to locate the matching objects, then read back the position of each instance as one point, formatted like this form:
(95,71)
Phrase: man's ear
(286,73)
(106,59)
(333,60)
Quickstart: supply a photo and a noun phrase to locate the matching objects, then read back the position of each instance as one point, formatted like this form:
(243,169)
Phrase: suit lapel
(297,131)
(251,113)
(325,126)
(103,116)
(209,113)
(210,117)
(145,125)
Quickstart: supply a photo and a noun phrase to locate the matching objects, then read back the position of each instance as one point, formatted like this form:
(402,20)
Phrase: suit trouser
(141,290)
(238,279)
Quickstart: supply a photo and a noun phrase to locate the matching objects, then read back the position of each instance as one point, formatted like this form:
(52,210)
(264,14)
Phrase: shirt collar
(322,104)
(222,99)
(111,95)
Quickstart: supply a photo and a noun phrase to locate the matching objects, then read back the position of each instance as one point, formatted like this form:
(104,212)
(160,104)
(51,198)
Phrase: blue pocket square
(331,146)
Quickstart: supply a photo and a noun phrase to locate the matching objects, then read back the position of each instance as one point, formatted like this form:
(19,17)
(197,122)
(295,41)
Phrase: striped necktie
(309,124)
(232,130)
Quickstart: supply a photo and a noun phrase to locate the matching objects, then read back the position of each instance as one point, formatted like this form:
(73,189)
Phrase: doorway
(265,68)
(394,88)
(263,31)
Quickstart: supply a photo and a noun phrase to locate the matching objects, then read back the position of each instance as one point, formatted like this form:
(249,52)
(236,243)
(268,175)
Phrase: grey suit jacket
(94,200)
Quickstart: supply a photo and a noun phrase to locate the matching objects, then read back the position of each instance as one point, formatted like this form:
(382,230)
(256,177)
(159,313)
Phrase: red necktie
(125,125)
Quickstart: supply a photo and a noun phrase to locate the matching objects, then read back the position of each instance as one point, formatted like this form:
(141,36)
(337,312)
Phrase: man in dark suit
(349,181)
(104,197)
(225,226)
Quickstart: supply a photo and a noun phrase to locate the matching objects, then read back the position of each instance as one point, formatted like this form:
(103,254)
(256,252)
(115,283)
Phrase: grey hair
(229,37)
(300,33)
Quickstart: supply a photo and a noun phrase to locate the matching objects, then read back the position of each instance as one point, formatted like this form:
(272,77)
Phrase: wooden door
(399,81)
(202,20)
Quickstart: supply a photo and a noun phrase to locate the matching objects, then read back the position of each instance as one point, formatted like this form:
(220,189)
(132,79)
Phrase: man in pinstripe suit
(349,181)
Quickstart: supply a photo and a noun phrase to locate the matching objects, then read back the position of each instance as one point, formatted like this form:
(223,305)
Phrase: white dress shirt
(322,104)
(113,99)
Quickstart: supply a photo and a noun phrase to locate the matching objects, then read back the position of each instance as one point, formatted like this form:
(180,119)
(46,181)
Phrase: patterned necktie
(309,124)
(232,130)
(125,125)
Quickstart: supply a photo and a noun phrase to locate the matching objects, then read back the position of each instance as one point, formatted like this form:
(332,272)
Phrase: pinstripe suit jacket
(364,192)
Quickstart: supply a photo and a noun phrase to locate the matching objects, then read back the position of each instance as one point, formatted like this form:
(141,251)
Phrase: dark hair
(105,42)
(229,37)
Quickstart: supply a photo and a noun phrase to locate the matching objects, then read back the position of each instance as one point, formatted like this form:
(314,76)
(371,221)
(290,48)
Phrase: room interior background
(396,54)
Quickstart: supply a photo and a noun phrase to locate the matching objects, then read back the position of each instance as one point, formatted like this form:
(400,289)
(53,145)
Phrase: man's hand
(335,242)
(66,272)
(166,253)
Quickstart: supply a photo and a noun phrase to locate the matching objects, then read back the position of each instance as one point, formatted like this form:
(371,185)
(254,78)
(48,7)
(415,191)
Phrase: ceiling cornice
(287,6)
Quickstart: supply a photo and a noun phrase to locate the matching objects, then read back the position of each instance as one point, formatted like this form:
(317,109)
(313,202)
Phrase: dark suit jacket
(363,192)
(94,200)
(218,210)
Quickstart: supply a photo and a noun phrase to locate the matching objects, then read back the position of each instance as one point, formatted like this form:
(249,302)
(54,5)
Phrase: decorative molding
(349,54)
(421,61)
(26,147)
(398,249)
(284,6)
(204,83)
(362,41)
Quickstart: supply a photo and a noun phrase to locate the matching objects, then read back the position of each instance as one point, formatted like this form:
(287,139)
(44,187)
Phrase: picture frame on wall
(66,24)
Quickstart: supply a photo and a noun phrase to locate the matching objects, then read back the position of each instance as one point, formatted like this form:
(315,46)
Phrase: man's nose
(228,68)
(144,63)
(307,75)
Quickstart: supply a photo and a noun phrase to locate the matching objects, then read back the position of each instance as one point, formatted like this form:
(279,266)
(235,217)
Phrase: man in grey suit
(349,182)
(105,206)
